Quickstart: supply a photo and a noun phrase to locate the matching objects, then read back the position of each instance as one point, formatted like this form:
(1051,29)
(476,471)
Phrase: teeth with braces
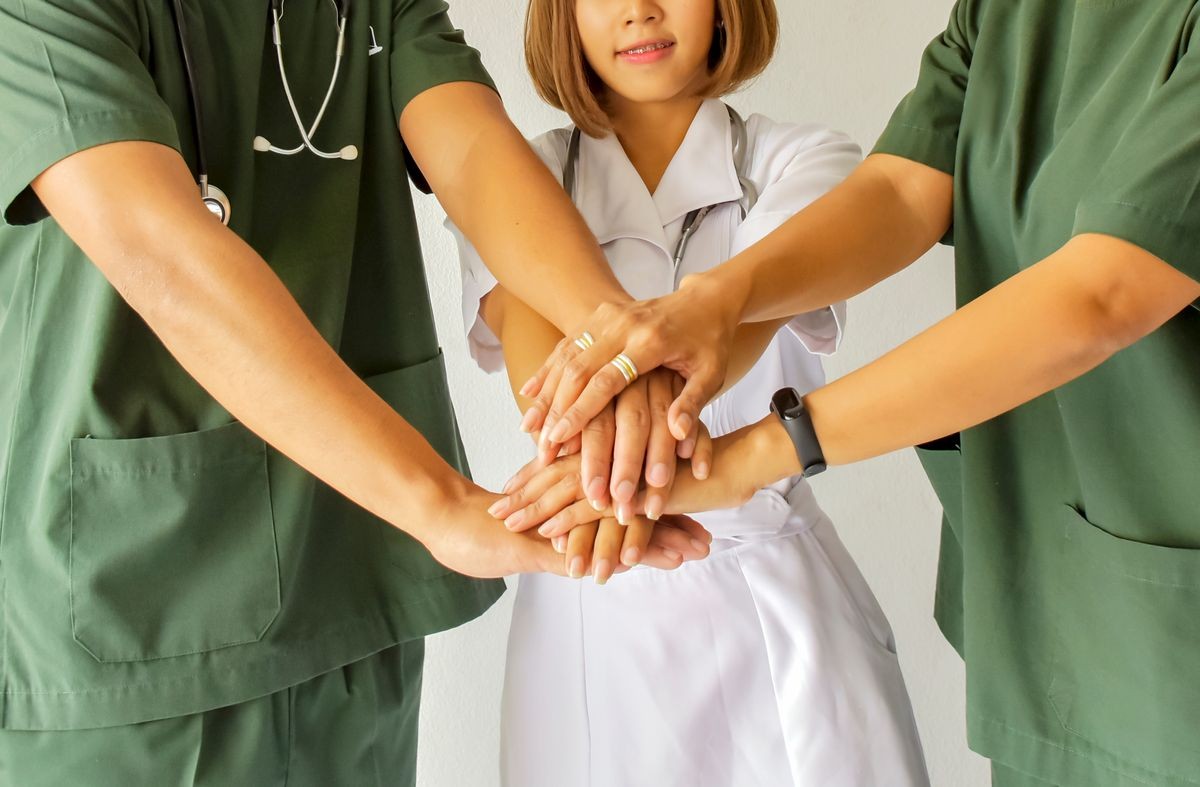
(641,50)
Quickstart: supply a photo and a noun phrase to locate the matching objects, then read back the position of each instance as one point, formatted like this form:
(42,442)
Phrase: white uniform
(769,663)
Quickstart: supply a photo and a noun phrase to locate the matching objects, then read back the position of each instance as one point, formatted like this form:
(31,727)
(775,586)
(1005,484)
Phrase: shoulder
(780,147)
(551,148)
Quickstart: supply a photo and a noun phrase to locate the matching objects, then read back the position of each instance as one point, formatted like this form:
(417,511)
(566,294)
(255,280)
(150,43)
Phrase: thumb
(685,410)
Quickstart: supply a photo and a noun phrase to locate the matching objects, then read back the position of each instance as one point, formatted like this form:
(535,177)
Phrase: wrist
(425,503)
(578,308)
(720,292)
(770,441)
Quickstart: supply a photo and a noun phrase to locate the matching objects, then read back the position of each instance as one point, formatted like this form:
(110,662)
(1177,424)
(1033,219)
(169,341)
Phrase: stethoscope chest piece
(216,201)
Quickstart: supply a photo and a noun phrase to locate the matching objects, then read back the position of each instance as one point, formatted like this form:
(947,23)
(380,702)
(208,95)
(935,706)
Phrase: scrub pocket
(172,544)
(420,394)
(1126,671)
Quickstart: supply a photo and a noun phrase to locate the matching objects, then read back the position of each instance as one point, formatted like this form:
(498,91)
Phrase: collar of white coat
(614,201)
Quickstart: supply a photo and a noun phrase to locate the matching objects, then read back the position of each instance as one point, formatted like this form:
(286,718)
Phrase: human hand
(627,435)
(690,331)
(460,535)
(605,547)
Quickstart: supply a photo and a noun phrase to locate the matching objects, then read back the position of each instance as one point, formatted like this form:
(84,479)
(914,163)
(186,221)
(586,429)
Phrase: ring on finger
(626,367)
(585,340)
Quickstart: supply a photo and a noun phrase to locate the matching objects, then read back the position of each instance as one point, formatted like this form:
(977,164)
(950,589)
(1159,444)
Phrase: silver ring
(626,367)
(585,341)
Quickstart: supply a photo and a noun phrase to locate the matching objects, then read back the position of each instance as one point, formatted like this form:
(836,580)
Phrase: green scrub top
(157,558)
(1070,569)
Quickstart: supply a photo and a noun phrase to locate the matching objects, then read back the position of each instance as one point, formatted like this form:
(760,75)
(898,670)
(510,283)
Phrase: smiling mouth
(642,50)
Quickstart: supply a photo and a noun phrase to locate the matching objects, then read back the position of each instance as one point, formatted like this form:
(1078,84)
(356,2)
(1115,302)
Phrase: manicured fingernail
(699,546)
(596,505)
(529,420)
(702,471)
(576,570)
(527,388)
(595,490)
(515,520)
(625,490)
(601,571)
(622,515)
(653,509)
(559,544)
(671,554)
(659,474)
(548,528)
(683,424)
(560,432)
(498,506)
(631,557)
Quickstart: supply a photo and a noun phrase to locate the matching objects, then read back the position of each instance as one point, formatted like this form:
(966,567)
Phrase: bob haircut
(565,80)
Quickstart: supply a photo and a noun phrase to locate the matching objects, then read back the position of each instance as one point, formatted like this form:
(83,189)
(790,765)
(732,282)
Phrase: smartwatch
(787,404)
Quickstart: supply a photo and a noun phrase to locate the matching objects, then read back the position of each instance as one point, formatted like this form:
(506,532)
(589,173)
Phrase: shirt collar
(615,202)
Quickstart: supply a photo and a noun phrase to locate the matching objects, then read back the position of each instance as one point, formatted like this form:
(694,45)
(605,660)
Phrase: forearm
(232,325)
(508,204)
(749,343)
(525,337)
(883,217)
(1038,330)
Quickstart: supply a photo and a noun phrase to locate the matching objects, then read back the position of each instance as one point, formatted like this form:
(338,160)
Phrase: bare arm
(886,214)
(231,323)
(1040,329)
(500,194)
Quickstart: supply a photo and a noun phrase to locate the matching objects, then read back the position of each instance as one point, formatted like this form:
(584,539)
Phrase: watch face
(786,402)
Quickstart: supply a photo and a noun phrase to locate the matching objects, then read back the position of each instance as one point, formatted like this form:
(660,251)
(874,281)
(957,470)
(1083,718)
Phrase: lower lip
(653,56)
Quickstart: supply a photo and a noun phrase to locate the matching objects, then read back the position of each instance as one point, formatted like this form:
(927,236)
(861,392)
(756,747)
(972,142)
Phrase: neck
(652,132)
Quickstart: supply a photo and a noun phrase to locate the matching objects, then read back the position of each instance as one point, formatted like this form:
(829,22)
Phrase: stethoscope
(214,199)
(694,218)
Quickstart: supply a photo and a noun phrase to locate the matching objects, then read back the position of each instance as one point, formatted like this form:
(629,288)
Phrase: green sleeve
(428,51)
(924,127)
(71,78)
(1148,192)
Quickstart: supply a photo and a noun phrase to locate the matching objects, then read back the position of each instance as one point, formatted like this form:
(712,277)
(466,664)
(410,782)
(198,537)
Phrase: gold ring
(626,367)
(585,341)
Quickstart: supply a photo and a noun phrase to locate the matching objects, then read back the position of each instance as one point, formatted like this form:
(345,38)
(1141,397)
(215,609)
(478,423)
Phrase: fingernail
(671,554)
(600,572)
(529,420)
(560,544)
(596,505)
(576,570)
(595,490)
(683,424)
(658,474)
(527,388)
(560,432)
(653,510)
(508,485)
(631,557)
(699,546)
(548,528)
(621,515)
(702,471)
(498,506)
(625,490)
(515,520)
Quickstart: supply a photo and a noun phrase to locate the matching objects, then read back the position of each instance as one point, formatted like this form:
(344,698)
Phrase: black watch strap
(787,404)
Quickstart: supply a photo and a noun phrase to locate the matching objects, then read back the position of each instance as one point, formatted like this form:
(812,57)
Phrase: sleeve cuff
(1174,243)
(51,145)
(820,331)
(918,144)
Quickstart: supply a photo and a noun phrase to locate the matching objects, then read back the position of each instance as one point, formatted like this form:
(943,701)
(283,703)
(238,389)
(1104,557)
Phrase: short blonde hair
(564,79)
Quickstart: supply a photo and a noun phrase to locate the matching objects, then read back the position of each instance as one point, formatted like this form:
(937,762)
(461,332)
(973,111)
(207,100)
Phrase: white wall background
(841,62)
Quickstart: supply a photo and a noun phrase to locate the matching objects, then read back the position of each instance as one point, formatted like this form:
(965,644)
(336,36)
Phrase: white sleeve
(799,164)
(477,279)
